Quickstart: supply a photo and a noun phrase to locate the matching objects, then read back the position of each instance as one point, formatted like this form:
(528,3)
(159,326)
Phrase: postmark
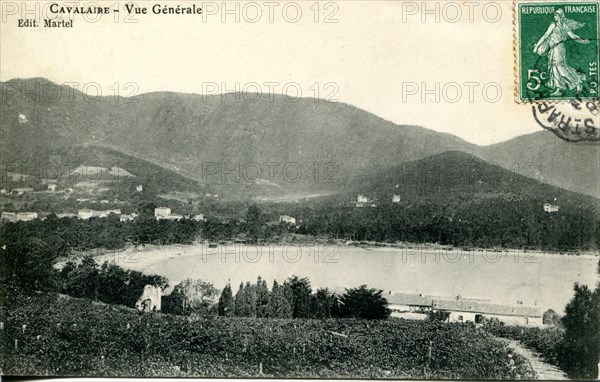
(573,121)
(557,51)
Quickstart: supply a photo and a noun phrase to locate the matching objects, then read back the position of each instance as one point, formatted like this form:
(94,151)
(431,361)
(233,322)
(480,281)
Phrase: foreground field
(74,337)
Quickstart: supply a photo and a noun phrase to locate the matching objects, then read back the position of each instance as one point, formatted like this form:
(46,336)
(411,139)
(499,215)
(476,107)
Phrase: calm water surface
(503,277)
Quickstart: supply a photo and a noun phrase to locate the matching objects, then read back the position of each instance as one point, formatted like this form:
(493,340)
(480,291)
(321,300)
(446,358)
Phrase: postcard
(305,189)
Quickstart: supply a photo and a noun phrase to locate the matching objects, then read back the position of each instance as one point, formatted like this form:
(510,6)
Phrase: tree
(192,297)
(279,306)
(112,284)
(363,302)
(250,294)
(63,275)
(550,317)
(579,351)
(27,262)
(226,303)
(301,292)
(255,222)
(83,281)
(241,302)
(321,303)
(438,315)
(262,298)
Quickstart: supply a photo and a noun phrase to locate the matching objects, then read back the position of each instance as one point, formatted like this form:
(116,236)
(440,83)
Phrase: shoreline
(403,249)
(326,243)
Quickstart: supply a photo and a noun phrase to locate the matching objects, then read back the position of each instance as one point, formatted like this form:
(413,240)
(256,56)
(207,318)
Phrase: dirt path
(543,369)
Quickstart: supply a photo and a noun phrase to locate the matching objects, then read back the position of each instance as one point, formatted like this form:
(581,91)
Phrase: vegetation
(574,345)
(468,222)
(580,350)
(484,223)
(545,341)
(363,302)
(108,283)
(46,335)
(295,299)
(191,297)
(438,315)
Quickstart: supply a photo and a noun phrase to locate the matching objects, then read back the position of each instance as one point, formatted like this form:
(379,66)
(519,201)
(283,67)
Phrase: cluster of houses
(18,216)
(81,214)
(463,309)
(165,213)
(88,214)
(160,213)
(52,187)
(16,191)
(364,201)
(26,190)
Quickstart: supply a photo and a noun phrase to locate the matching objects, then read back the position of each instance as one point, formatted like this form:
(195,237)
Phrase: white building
(65,215)
(139,188)
(150,300)
(21,191)
(26,216)
(396,199)
(169,217)
(361,201)
(127,217)
(408,303)
(287,219)
(551,207)
(9,216)
(87,214)
(162,211)
(52,187)
(199,217)
(464,310)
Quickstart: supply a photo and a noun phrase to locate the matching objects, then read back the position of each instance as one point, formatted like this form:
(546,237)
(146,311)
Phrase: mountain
(455,177)
(543,156)
(455,199)
(269,148)
(192,134)
(101,165)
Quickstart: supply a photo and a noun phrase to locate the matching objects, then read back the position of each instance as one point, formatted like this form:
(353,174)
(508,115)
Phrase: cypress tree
(250,291)
(262,298)
(226,308)
(279,306)
(240,305)
(301,292)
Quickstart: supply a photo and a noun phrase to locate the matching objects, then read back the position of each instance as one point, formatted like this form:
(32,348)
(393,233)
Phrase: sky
(380,56)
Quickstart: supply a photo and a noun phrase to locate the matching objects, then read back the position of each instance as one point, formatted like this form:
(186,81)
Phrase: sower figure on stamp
(552,43)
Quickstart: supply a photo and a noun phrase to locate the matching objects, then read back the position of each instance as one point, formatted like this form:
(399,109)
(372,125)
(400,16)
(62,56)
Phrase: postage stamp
(557,50)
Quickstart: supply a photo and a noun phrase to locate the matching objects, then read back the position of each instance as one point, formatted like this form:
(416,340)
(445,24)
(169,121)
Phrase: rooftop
(462,305)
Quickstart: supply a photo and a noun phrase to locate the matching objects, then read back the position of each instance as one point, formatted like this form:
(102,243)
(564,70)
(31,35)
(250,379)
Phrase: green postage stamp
(557,50)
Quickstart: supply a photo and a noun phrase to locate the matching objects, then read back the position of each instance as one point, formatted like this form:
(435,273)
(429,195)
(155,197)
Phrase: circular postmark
(572,121)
